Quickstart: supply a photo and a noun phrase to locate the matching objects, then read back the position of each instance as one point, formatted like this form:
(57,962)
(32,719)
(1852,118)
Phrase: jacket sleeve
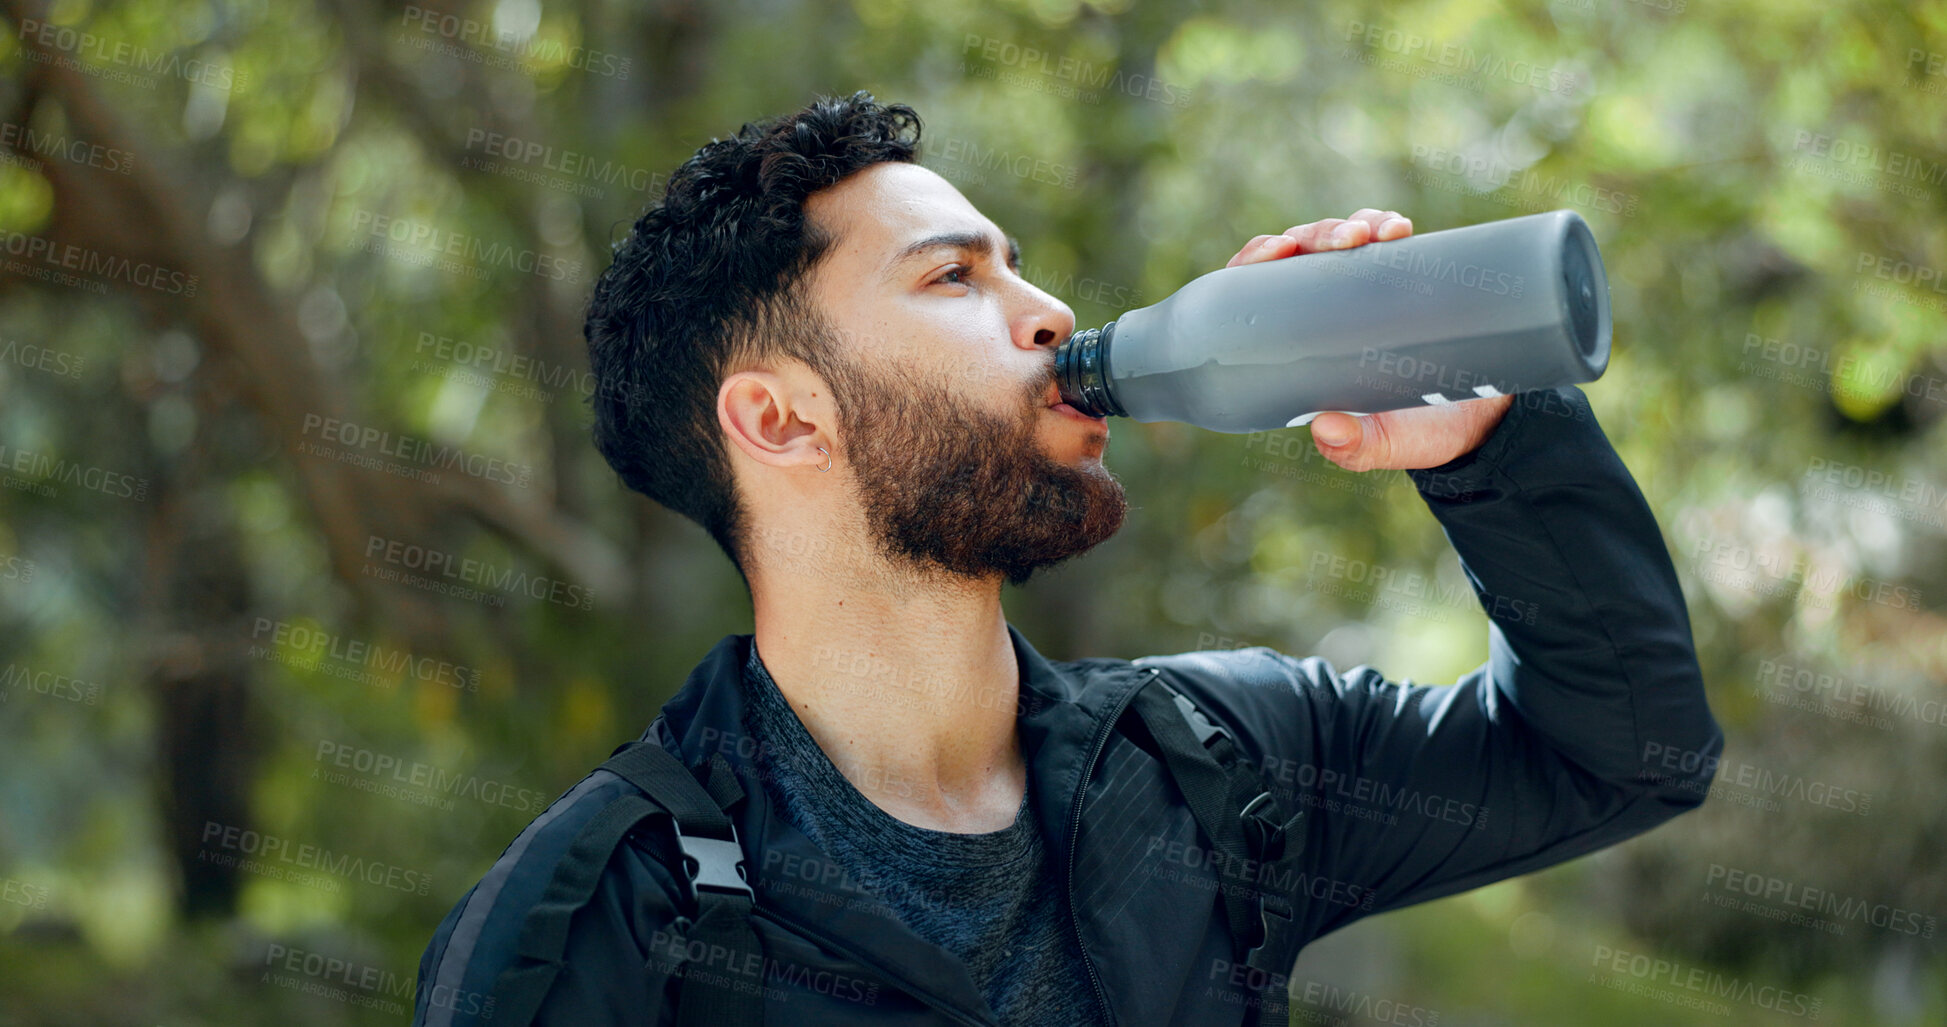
(609,974)
(1587,724)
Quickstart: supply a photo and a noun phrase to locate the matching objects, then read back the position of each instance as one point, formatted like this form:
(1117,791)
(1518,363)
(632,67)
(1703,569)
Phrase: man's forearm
(1593,638)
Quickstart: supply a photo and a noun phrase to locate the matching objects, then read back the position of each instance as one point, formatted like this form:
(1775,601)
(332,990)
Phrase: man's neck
(909,688)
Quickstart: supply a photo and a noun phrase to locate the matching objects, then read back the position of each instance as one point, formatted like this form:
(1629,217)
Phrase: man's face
(947,371)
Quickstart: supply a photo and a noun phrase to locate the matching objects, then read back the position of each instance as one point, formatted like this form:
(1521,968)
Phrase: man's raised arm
(1587,724)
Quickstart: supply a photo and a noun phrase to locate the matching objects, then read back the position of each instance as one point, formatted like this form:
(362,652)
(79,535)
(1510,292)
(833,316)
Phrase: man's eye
(960,270)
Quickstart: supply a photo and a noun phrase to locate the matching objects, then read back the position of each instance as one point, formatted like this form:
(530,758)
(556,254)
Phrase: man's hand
(1425,436)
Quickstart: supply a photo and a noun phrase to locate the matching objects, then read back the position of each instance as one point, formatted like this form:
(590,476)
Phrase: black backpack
(1238,815)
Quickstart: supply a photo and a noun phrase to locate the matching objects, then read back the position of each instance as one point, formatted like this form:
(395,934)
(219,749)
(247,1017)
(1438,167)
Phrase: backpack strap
(712,865)
(1243,820)
(520,988)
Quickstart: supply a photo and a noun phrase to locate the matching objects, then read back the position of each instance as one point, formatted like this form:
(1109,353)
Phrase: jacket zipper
(1075,834)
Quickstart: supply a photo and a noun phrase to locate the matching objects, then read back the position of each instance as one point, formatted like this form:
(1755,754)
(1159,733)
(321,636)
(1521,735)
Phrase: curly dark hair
(709,278)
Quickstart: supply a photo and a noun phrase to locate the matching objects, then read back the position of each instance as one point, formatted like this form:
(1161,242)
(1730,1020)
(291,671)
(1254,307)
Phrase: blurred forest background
(291,294)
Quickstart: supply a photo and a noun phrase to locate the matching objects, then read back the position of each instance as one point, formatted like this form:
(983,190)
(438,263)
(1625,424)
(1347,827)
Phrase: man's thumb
(1336,430)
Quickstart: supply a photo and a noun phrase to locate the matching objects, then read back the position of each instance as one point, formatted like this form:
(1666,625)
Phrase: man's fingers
(1383,223)
(1367,224)
(1263,247)
(1329,234)
(1393,226)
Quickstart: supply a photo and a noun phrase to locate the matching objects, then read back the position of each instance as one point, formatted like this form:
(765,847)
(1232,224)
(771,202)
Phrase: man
(824,355)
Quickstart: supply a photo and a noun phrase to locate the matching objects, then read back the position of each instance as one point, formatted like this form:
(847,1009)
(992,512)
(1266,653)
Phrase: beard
(946,485)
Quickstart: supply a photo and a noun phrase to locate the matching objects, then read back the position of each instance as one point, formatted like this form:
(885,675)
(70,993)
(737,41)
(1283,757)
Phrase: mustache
(1042,385)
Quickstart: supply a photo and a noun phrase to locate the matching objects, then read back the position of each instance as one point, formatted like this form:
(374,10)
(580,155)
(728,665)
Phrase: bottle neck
(1082,372)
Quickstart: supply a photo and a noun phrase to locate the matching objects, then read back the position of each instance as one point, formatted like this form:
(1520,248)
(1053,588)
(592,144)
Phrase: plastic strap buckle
(1202,725)
(1274,914)
(714,864)
(1262,831)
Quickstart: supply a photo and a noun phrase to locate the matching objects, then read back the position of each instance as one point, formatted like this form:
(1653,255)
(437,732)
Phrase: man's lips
(1068,411)
(1058,405)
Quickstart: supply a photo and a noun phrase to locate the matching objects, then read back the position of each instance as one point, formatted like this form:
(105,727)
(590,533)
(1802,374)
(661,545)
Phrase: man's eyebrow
(978,242)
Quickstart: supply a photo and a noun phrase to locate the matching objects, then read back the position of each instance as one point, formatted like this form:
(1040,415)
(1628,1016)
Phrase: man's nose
(1048,324)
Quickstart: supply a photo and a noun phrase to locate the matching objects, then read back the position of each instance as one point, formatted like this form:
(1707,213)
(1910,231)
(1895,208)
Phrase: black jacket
(1587,725)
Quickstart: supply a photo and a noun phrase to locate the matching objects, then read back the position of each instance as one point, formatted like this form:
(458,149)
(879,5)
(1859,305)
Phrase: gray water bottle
(1485,310)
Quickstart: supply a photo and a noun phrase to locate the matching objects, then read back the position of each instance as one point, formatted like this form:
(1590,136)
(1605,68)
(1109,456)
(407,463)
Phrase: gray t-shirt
(993,899)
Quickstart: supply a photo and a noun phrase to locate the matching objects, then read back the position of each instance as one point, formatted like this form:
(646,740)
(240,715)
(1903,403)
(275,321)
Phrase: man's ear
(777,417)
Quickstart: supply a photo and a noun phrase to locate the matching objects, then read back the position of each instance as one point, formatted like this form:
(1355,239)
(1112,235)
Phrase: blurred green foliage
(1765,180)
